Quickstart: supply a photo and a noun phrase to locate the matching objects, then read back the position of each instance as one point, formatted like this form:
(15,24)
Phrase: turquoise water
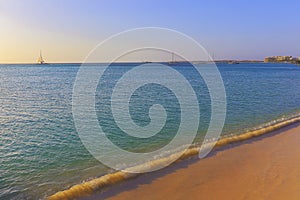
(41,152)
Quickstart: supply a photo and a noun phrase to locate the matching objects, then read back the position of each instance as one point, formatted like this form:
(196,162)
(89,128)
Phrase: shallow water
(41,152)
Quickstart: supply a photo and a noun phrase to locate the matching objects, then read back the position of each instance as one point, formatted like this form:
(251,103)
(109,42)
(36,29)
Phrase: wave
(98,184)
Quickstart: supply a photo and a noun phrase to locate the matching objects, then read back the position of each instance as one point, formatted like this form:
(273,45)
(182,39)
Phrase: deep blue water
(40,149)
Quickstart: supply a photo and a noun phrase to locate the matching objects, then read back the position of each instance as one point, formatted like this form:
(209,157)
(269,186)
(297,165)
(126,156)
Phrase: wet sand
(265,167)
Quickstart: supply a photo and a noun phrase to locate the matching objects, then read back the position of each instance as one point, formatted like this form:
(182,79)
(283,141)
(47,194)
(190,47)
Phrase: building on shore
(296,60)
(279,59)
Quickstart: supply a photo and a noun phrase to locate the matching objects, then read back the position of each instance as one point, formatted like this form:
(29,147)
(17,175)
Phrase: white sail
(40,59)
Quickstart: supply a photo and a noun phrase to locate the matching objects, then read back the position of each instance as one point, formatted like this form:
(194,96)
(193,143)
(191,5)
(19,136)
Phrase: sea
(41,150)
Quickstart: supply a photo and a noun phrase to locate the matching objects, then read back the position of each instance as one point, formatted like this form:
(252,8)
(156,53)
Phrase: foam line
(89,187)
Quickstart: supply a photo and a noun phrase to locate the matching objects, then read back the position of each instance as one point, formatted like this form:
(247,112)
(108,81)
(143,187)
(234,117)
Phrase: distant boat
(233,62)
(41,60)
(146,62)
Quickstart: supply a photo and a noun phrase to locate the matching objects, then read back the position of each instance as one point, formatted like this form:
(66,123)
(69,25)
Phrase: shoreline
(267,168)
(110,181)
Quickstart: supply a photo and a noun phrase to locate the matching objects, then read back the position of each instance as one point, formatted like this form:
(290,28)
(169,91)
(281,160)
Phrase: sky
(67,30)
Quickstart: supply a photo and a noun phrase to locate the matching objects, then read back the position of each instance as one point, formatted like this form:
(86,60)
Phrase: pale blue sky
(67,30)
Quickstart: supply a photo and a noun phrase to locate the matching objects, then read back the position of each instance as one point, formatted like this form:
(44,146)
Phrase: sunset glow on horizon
(66,31)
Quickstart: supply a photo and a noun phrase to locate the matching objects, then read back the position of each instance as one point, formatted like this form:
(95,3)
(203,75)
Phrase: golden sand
(266,167)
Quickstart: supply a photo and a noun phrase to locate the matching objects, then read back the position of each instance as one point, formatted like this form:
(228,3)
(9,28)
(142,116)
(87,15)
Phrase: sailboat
(40,59)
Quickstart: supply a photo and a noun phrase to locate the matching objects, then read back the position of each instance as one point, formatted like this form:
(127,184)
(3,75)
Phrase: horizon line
(98,62)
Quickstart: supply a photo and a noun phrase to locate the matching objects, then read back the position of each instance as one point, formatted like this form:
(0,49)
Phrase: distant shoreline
(136,62)
(158,62)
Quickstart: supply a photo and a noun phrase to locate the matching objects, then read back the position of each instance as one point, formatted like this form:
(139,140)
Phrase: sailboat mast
(172,57)
(40,59)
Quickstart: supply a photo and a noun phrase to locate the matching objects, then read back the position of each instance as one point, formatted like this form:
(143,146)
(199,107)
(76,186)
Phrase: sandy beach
(266,167)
